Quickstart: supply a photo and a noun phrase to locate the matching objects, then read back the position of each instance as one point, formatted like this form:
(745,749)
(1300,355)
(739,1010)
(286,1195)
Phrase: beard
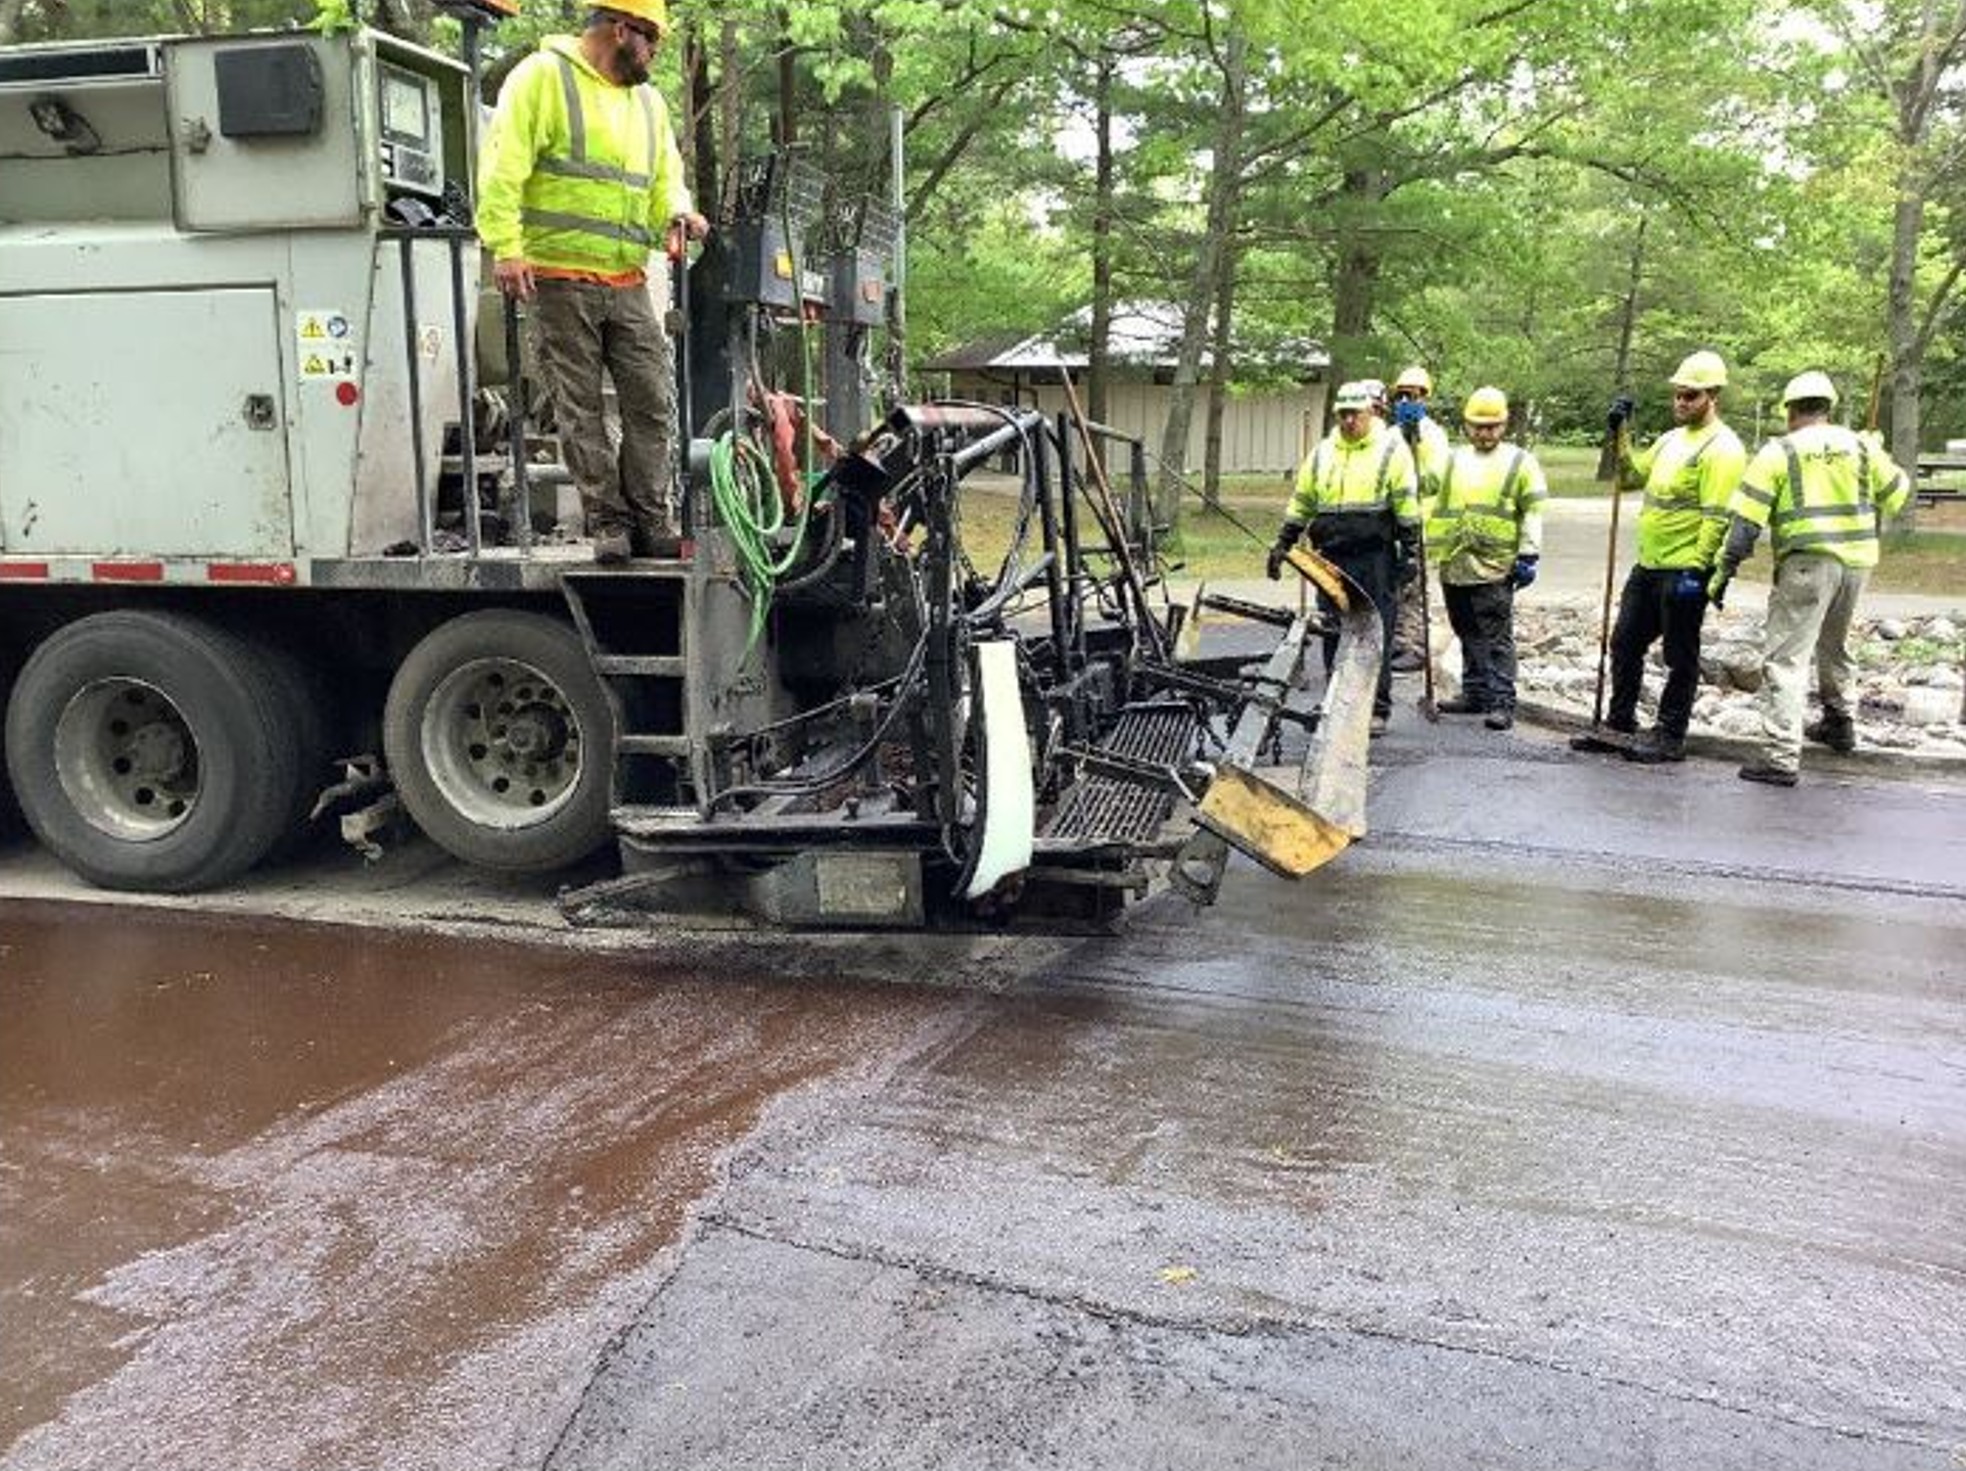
(629,70)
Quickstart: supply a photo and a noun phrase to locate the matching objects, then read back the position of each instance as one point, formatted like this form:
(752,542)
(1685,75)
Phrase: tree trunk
(1224,191)
(730,111)
(698,139)
(1621,375)
(1221,369)
(1901,315)
(787,131)
(1098,368)
(1355,277)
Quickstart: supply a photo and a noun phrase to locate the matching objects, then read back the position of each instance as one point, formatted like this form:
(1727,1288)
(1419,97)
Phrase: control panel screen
(412,145)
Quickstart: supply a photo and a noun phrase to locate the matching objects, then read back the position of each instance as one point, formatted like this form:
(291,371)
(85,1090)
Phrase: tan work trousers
(584,327)
(1810,609)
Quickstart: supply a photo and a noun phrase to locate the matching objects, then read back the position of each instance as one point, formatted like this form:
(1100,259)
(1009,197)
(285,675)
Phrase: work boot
(612,545)
(1838,732)
(657,539)
(1763,772)
(1656,748)
(1460,705)
(1499,719)
(1378,726)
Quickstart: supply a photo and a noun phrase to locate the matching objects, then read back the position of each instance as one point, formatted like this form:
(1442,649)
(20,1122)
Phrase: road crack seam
(1242,1327)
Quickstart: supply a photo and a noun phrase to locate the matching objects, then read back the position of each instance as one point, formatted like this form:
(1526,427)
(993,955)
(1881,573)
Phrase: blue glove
(1409,411)
(1689,585)
(1620,413)
(1523,573)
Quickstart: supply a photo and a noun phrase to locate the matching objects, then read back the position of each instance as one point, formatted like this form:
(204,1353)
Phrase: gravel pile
(1912,688)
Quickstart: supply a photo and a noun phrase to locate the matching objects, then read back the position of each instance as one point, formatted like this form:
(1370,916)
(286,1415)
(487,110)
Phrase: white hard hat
(1355,395)
(1812,384)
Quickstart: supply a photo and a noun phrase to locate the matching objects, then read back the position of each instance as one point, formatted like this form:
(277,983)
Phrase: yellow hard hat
(1812,384)
(1702,370)
(1415,377)
(655,12)
(1486,406)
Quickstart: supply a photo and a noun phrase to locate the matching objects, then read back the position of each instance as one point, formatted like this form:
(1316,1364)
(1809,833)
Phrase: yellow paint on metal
(1269,824)
(1328,578)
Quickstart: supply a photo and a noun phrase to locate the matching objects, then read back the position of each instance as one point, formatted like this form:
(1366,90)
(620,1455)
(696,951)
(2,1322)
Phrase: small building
(1264,431)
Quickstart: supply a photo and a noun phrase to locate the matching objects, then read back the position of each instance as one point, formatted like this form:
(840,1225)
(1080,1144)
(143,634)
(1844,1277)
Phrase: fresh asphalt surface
(1584,1116)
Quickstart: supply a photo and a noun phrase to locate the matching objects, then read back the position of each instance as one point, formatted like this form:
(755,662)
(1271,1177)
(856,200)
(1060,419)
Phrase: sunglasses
(1410,394)
(1688,395)
(647,32)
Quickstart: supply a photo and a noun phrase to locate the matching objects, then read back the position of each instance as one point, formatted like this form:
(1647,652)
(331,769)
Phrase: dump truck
(279,508)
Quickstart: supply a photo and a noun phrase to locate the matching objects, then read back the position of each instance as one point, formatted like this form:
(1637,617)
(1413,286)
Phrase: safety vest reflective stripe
(1759,497)
(577,165)
(566,168)
(552,219)
(1798,541)
(1659,501)
(1471,527)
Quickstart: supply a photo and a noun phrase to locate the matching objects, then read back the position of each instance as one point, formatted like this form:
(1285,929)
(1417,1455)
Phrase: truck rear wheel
(500,738)
(9,811)
(152,751)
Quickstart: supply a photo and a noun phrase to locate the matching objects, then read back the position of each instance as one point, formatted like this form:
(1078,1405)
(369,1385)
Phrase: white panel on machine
(1009,799)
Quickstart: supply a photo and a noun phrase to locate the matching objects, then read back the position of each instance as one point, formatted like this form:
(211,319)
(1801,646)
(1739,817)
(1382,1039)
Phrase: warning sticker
(327,362)
(323,328)
(327,344)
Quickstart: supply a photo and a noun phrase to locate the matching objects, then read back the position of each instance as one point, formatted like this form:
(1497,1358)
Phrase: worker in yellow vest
(1431,448)
(1485,534)
(1822,491)
(580,179)
(1357,496)
(1688,475)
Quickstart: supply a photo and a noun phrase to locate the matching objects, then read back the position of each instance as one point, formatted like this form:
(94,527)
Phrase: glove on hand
(1716,588)
(1689,585)
(1405,569)
(1273,564)
(1523,573)
(1620,413)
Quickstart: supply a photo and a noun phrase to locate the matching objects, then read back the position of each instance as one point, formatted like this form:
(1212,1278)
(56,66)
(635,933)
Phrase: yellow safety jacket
(1431,455)
(1822,488)
(1489,512)
(578,172)
(1688,475)
(1375,473)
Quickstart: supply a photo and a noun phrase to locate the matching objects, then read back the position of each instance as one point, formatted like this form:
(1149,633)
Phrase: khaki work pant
(1810,609)
(583,327)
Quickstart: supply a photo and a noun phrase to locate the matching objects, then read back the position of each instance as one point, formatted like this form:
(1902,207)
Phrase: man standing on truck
(580,179)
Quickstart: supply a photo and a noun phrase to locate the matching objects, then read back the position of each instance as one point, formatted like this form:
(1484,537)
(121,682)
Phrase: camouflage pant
(1409,623)
(582,328)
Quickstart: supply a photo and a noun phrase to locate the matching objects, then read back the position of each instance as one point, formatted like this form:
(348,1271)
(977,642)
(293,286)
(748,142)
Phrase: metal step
(667,665)
(1105,808)
(652,745)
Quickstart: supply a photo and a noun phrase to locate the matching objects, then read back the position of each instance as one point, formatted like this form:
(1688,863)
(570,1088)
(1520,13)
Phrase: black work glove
(1286,539)
(1406,558)
(1717,584)
(1620,413)
(1523,573)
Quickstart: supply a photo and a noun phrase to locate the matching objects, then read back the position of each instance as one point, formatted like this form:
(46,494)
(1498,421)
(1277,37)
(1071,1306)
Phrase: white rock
(1925,705)
(1946,679)
(1738,720)
(1940,630)
(1889,629)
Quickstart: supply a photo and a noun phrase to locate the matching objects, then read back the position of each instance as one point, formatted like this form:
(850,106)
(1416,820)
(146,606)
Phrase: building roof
(1143,334)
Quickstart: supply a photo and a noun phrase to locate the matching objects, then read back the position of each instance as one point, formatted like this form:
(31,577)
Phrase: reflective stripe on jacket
(1822,488)
(1689,475)
(577,172)
(1489,513)
(1375,473)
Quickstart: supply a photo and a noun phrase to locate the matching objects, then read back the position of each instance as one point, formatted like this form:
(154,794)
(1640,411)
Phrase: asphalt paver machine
(280,519)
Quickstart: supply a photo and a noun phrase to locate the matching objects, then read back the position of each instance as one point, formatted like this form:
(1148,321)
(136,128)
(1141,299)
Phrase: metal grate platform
(1106,808)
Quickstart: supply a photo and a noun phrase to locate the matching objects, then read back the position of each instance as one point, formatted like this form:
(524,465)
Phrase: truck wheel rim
(502,744)
(127,760)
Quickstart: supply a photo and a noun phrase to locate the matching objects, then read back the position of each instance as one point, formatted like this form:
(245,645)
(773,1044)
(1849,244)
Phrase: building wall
(1262,434)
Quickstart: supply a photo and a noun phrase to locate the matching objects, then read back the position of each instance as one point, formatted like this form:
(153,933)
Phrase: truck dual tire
(155,751)
(500,739)
(10,818)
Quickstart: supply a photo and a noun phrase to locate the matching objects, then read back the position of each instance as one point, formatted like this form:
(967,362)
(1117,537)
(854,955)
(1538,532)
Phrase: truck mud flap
(1294,833)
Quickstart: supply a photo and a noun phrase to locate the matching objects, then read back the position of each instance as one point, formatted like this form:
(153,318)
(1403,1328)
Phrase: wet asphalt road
(1584,1117)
